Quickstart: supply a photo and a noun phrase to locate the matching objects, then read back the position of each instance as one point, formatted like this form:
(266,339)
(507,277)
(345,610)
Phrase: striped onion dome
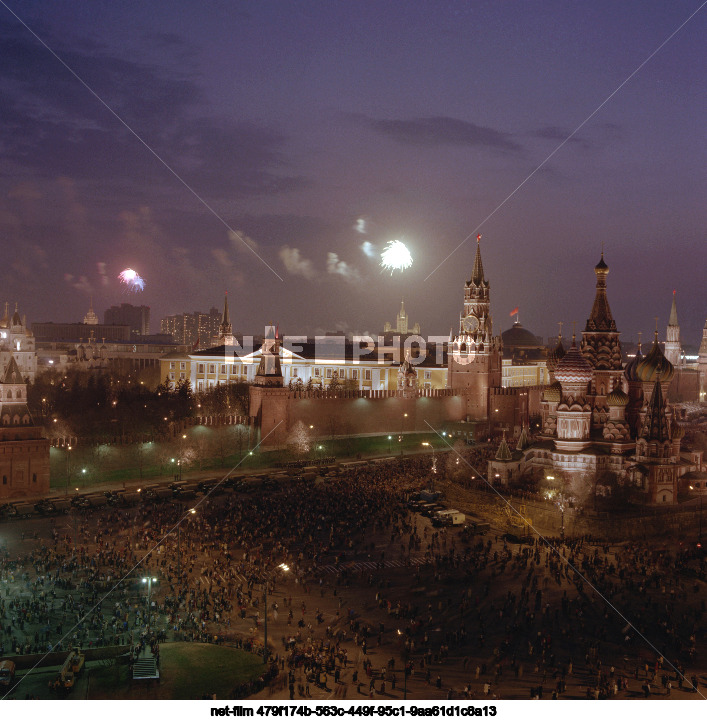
(574,367)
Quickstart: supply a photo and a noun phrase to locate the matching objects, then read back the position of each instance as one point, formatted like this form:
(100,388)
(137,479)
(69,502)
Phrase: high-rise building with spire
(90,318)
(402,323)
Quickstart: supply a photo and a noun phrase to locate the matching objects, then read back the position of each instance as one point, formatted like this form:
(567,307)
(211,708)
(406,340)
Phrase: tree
(299,442)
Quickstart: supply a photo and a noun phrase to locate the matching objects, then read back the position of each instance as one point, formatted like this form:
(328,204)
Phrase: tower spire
(600,318)
(477,274)
(226,329)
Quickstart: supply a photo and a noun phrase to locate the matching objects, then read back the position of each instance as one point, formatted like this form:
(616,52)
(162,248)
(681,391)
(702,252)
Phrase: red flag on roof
(515,311)
(196,344)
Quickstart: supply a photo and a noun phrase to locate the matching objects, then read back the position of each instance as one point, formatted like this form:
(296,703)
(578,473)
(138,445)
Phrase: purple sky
(302,124)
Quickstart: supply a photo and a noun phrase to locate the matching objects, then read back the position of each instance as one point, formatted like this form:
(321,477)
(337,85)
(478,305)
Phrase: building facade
(24,453)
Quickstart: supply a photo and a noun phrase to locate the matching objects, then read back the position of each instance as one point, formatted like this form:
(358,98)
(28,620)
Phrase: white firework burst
(395,256)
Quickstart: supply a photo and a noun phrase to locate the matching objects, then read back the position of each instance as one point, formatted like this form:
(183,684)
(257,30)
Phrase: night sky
(321,130)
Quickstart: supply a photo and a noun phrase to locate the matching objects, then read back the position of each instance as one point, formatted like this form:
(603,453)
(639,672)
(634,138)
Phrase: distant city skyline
(320,132)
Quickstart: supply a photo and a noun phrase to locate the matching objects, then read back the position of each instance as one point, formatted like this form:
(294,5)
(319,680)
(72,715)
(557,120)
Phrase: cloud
(46,115)
(295,264)
(442,130)
(340,267)
(241,242)
(553,132)
(222,257)
(369,249)
(101,266)
(81,283)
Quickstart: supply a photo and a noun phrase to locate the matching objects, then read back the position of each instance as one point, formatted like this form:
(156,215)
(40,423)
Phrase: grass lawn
(187,670)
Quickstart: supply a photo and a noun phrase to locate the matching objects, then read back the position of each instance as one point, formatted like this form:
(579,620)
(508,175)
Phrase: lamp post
(699,534)
(192,511)
(402,428)
(390,450)
(149,581)
(434,464)
(68,468)
(561,503)
(282,567)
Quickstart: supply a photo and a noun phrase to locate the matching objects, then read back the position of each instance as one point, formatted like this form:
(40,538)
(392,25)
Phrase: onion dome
(617,398)
(655,365)
(574,367)
(677,432)
(630,369)
(555,355)
(553,392)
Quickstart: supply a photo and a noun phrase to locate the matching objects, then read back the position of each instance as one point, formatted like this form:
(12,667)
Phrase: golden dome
(655,366)
(617,398)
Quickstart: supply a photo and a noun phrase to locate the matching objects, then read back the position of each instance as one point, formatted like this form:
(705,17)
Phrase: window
(428,375)
(367,374)
(428,385)
(183,366)
(295,372)
(171,376)
(182,376)
(317,372)
(172,365)
(223,369)
(212,368)
(328,372)
(200,368)
(200,385)
(354,373)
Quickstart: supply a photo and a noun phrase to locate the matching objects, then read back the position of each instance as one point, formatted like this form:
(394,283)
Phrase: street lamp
(561,503)
(149,581)
(699,535)
(434,464)
(402,428)
(192,511)
(282,567)
(68,468)
(390,450)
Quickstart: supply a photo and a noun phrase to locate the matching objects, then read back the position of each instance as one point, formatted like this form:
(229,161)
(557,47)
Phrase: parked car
(45,507)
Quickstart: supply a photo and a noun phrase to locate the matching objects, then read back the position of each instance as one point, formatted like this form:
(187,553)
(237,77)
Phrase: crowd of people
(364,596)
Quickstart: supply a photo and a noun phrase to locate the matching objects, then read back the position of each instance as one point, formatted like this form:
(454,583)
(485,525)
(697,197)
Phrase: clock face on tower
(471,324)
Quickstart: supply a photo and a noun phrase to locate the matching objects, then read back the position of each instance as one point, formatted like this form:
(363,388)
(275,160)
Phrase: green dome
(655,365)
